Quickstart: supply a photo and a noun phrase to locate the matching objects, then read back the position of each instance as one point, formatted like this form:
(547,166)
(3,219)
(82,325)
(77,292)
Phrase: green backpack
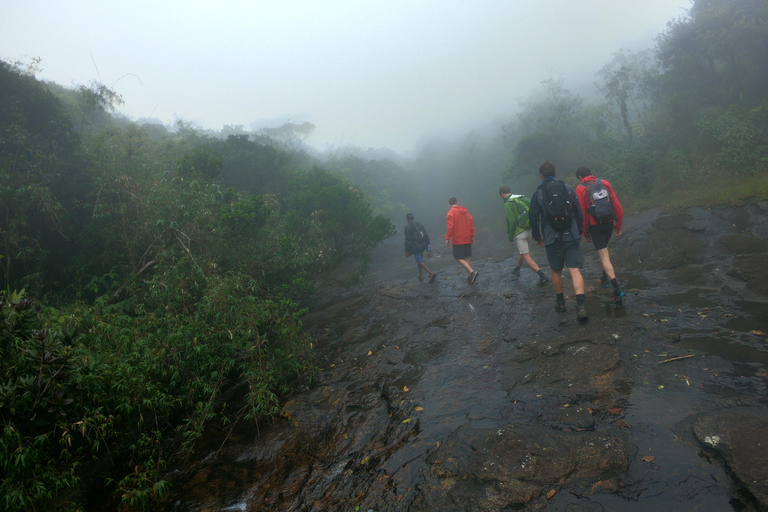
(523,204)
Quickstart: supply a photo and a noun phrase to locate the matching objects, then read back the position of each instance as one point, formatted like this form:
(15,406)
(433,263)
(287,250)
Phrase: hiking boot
(432,279)
(581,313)
(516,272)
(618,299)
(543,280)
(560,306)
(473,280)
(604,283)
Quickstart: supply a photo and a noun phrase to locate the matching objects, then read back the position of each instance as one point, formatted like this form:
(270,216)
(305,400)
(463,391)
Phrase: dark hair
(408,216)
(547,169)
(583,172)
(452,201)
(504,190)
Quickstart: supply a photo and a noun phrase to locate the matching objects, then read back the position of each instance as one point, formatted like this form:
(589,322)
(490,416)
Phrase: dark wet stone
(490,469)
(740,438)
(753,270)
(687,275)
(743,244)
(405,365)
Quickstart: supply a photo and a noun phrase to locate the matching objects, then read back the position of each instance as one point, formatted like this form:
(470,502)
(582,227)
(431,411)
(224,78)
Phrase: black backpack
(599,199)
(420,237)
(558,207)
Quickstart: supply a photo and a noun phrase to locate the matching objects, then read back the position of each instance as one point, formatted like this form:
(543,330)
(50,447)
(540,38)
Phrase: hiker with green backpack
(516,209)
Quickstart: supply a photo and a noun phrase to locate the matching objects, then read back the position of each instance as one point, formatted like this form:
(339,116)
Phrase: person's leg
(425,267)
(529,261)
(557,282)
(465,263)
(419,257)
(578,281)
(605,261)
(610,273)
(574,260)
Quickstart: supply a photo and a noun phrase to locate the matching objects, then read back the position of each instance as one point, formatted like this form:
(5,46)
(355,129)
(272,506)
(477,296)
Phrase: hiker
(602,216)
(519,231)
(416,242)
(461,232)
(556,223)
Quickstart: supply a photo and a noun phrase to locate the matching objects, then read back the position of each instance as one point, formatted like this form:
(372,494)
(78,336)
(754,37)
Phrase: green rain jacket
(516,223)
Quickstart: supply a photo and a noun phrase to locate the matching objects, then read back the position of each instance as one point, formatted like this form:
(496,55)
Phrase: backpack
(599,199)
(523,204)
(420,237)
(558,207)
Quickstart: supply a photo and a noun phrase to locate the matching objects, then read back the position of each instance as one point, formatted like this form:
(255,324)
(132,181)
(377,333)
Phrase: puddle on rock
(694,298)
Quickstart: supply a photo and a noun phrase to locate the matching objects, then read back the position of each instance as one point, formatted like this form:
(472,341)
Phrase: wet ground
(453,397)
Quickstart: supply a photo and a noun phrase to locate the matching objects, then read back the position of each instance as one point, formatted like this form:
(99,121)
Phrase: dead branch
(676,358)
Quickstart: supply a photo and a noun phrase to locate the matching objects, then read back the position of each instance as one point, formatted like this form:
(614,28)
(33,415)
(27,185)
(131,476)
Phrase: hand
(617,231)
(511,243)
(447,243)
(540,243)
(429,254)
(407,254)
(587,238)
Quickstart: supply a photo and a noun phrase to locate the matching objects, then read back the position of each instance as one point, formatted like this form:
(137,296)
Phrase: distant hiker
(556,223)
(516,209)
(602,216)
(416,242)
(461,232)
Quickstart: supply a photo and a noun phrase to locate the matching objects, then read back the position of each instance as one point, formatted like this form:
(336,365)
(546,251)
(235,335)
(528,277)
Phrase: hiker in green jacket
(519,231)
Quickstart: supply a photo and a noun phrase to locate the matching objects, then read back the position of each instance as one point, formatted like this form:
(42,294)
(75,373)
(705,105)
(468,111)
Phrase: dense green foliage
(174,287)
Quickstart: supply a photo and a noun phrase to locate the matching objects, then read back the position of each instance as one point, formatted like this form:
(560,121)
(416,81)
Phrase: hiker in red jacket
(603,216)
(461,231)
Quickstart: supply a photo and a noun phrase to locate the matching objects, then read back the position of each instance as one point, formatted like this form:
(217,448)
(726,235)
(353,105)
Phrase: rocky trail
(453,397)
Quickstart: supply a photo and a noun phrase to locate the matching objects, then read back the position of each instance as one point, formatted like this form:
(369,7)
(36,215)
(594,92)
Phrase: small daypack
(420,237)
(523,204)
(558,207)
(599,199)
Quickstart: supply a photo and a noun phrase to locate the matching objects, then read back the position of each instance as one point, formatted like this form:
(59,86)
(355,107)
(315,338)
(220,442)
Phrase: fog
(370,74)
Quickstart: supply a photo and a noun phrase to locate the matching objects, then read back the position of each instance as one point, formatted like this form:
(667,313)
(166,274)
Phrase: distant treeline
(691,112)
(685,122)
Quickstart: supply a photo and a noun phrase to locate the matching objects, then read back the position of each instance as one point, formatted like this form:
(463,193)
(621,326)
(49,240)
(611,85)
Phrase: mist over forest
(148,269)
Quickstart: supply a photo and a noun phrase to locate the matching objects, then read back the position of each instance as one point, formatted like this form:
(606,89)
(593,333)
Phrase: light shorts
(521,241)
(419,257)
(565,254)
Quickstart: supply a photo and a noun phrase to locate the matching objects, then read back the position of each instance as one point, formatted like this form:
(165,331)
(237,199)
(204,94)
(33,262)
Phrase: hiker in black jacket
(416,242)
(556,223)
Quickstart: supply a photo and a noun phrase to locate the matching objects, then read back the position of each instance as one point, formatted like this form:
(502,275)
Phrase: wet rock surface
(454,397)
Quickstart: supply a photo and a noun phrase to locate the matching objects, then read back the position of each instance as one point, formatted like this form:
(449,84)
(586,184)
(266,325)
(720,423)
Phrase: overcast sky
(369,73)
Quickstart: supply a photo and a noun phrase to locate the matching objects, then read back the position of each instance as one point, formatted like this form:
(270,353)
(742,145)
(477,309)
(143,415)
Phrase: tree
(625,84)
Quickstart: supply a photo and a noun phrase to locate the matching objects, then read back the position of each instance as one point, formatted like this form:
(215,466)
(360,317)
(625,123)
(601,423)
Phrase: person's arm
(408,239)
(471,229)
(578,213)
(618,211)
(581,191)
(510,213)
(534,216)
(449,230)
